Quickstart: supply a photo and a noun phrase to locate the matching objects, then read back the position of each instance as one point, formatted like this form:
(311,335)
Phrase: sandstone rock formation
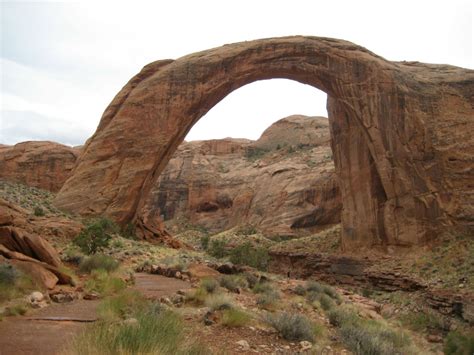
(401,134)
(39,164)
(283,183)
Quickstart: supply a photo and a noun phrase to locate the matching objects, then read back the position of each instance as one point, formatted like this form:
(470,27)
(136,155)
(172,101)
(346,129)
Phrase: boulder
(43,250)
(39,274)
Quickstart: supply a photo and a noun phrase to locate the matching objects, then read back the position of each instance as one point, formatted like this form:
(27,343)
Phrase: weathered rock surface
(283,183)
(39,164)
(401,135)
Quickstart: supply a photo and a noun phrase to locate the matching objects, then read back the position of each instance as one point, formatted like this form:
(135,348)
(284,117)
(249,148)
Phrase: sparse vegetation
(246,254)
(424,320)
(13,283)
(38,211)
(122,306)
(255,153)
(459,344)
(98,262)
(268,300)
(293,327)
(156,331)
(209,284)
(217,248)
(235,317)
(103,283)
(96,236)
(219,302)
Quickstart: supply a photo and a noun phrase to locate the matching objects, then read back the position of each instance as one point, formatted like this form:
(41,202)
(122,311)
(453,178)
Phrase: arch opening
(375,141)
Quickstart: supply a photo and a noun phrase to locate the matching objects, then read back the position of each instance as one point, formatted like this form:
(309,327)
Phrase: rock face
(39,164)
(401,135)
(283,183)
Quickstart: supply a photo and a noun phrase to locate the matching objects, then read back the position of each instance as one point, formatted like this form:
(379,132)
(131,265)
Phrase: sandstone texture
(401,135)
(45,165)
(283,184)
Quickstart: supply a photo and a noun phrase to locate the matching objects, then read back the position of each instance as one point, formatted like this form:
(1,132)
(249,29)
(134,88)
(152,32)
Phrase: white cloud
(66,61)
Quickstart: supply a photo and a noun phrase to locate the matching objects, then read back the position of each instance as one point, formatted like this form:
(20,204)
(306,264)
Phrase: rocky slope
(284,183)
(38,164)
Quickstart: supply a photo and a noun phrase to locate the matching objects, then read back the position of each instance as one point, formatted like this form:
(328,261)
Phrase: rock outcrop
(39,164)
(401,135)
(284,183)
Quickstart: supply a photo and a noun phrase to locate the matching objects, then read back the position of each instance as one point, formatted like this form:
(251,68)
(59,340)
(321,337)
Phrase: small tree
(96,236)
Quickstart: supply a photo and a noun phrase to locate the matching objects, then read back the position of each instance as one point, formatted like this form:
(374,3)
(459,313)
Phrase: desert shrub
(313,286)
(13,283)
(16,310)
(233,282)
(123,305)
(197,297)
(255,153)
(459,344)
(252,279)
(8,275)
(326,302)
(300,290)
(155,332)
(38,211)
(204,241)
(292,327)
(217,248)
(247,254)
(96,236)
(73,255)
(262,287)
(268,300)
(219,302)
(421,321)
(235,317)
(342,315)
(209,284)
(103,283)
(372,338)
(98,261)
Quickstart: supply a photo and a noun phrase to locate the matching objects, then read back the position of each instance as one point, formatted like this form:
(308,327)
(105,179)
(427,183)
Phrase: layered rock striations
(283,184)
(401,135)
(45,165)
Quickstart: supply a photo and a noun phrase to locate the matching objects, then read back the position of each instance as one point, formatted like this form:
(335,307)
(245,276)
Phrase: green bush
(197,297)
(98,261)
(246,254)
(255,153)
(38,211)
(292,327)
(313,286)
(96,236)
(459,344)
(103,283)
(121,306)
(157,331)
(209,284)
(204,240)
(217,248)
(235,317)
(421,321)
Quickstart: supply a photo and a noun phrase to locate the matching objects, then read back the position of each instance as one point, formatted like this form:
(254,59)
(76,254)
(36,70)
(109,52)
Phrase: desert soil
(42,333)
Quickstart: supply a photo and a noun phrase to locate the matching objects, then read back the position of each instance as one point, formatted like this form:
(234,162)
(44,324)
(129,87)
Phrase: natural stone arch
(392,128)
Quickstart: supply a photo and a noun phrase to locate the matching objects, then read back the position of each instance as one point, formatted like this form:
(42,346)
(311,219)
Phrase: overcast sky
(62,63)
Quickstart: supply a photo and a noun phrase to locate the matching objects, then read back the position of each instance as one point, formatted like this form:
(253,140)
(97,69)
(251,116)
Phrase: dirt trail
(36,333)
